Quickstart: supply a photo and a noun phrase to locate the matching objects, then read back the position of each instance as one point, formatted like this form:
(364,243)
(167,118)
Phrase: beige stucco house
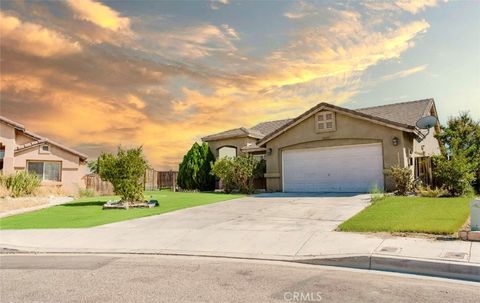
(54,163)
(334,149)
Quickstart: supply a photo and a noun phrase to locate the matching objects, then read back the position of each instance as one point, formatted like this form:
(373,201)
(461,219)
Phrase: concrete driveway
(261,213)
(270,224)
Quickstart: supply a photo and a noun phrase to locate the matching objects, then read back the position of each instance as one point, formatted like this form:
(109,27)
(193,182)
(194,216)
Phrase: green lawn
(411,214)
(88,212)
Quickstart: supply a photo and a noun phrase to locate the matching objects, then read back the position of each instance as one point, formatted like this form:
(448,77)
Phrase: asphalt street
(136,278)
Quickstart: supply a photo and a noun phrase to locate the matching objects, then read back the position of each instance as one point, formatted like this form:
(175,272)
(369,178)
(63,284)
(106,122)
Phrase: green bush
(462,133)
(402,177)
(237,172)
(431,192)
(455,173)
(376,193)
(125,171)
(225,170)
(194,171)
(21,183)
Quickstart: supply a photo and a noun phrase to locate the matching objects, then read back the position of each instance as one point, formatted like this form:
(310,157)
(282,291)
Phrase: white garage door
(354,168)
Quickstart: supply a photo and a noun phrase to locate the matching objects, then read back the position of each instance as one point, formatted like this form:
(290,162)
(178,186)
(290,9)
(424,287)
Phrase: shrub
(245,167)
(456,173)
(431,192)
(376,193)
(225,170)
(462,133)
(125,171)
(194,171)
(402,177)
(21,183)
(237,172)
(86,193)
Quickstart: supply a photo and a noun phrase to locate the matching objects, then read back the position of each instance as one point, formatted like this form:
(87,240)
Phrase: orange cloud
(34,39)
(99,14)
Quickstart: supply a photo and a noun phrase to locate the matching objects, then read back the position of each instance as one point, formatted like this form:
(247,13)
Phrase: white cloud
(215,4)
(34,39)
(99,14)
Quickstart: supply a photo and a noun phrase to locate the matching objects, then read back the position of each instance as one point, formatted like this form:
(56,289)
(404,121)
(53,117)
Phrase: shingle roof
(406,113)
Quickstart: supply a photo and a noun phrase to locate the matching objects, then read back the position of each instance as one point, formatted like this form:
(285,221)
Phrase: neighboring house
(334,149)
(54,163)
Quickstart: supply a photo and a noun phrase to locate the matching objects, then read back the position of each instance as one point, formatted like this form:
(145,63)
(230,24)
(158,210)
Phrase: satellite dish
(427,122)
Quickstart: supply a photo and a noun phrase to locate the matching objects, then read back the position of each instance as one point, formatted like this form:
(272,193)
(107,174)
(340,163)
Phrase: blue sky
(165,73)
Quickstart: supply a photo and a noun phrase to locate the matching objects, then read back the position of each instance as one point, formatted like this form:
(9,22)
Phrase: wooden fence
(152,180)
(94,182)
(160,179)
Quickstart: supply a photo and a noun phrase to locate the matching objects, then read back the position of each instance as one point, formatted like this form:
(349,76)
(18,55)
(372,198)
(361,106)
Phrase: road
(137,278)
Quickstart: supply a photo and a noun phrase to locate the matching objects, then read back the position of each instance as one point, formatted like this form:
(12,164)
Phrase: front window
(227,151)
(325,121)
(46,171)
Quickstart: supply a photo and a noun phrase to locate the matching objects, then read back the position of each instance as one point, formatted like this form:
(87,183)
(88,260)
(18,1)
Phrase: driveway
(268,224)
(261,213)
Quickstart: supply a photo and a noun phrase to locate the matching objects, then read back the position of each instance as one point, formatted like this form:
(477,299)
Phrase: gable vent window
(45,149)
(325,121)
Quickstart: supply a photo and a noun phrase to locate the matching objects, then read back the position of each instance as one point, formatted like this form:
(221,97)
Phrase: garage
(353,168)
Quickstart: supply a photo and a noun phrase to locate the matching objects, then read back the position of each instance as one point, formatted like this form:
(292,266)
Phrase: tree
(225,170)
(459,139)
(194,171)
(93,166)
(125,171)
(245,167)
(456,172)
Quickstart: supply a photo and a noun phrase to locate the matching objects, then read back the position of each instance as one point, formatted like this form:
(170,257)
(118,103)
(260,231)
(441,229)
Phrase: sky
(98,74)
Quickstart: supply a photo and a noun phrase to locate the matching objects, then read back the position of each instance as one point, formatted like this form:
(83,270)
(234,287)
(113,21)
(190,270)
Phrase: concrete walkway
(262,227)
(53,201)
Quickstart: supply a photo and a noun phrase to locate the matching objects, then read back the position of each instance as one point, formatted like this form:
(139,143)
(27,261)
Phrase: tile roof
(406,113)
(258,131)
(266,128)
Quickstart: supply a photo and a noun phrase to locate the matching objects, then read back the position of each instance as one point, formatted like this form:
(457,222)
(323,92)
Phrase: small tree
(245,167)
(125,171)
(455,173)
(194,171)
(402,177)
(225,170)
(237,172)
(461,133)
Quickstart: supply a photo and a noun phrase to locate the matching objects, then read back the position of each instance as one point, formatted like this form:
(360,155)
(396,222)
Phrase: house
(329,148)
(54,163)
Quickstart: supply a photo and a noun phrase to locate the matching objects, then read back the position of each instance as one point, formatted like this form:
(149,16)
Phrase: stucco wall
(238,143)
(428,146)
(72,170)
(349,131)
(7,138)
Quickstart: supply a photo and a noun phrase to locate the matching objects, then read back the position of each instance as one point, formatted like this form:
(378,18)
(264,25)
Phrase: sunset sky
(162,74)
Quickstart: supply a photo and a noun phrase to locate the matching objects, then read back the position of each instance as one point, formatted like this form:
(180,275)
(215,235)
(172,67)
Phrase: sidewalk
(53,201)
(453,259)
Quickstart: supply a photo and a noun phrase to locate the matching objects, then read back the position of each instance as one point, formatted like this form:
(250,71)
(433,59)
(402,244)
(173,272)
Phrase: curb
(442,269)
